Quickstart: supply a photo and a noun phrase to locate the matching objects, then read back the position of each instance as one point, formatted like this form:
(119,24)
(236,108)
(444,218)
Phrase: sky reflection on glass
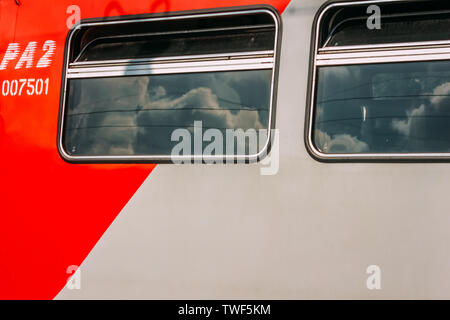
(383,108)
(137,115)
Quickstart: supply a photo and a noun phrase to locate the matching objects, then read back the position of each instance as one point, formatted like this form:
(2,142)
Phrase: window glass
(383,108)
(166,45)
(137,115)
(393,30)
(199,35)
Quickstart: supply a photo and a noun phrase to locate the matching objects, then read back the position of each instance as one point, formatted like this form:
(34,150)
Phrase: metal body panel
(310,231)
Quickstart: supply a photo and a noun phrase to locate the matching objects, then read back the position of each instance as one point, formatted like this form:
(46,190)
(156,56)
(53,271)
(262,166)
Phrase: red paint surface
(53,213)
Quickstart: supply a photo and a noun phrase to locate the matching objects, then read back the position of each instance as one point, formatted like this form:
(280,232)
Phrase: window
(198,86)
(380,94)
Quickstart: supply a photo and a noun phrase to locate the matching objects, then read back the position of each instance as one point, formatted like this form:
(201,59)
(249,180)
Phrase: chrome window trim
(389,46)
(271,63)
(383,56)
(220,56)
(354,55)
(158,69)
(171,68)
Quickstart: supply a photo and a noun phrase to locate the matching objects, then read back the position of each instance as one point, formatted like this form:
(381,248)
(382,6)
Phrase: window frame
(424,51)
(195,67)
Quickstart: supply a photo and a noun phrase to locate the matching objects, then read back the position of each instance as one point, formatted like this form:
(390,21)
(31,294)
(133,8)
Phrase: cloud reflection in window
(136,115)
(383,108)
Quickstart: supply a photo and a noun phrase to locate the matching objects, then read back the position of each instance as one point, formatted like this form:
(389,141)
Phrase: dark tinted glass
(383,108)
(137,115)
(175,37)
(393,30)
(177,45)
